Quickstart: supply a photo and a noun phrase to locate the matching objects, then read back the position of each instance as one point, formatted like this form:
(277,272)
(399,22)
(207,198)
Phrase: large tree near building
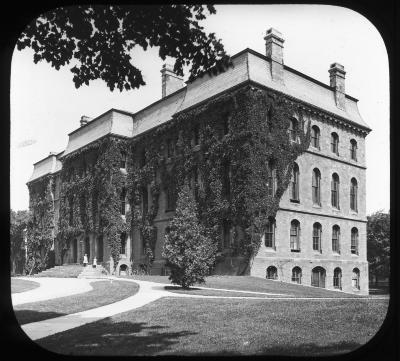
(18,224)
(98,40)
(189,251)
(378,244)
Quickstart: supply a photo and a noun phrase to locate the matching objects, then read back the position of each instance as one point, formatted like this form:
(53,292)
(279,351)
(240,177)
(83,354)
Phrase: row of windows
(269,237)
(316,188)
(315,139)
(318,276)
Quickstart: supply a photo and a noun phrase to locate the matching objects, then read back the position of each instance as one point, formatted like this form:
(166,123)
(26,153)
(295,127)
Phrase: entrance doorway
(99,248)
(87,247)
(75,251)
(318,277)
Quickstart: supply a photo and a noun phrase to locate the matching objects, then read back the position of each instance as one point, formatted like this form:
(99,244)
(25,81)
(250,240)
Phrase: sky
(46,106)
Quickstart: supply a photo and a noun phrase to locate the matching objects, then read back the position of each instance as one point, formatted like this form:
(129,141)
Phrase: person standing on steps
(85,260)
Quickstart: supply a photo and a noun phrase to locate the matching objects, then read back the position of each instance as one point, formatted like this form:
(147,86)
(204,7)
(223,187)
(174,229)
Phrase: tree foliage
(18,225)
(378,244)
(99,39)
(188,249)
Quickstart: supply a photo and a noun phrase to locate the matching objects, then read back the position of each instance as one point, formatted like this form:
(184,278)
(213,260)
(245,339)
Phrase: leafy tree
(378,244)
(18,225)
(189,251)
(99,39)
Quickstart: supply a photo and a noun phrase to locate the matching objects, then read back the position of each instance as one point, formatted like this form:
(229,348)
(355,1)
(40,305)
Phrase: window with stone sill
(295,236)
(353,150)
(336,239)
(269,236)
(315,135)
(353,195)
(354,241)
(337,278)
(316,187)
(335,143)
(294,186)
(317,231)
(294,130)
(335,191)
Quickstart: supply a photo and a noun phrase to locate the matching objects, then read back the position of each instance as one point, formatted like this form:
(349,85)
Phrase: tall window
(293,130)
(353,195)
(335,143)
(123,243)
(84,168)
(226,123)
(317,230)
(122,164)
(337,278)
(315,133)
(296,274)
(295,236)
(295,184)
(271,179)
(123,201)
(272,273)
(354,240)
(353,149)
(336,239)
(355,280)
(143,157)
(196,134)
(335,191)
(316,187)
(269,236)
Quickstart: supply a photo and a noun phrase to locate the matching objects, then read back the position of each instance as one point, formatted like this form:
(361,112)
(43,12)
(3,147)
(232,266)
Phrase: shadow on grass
(27,316)
(106,337)
(179,288)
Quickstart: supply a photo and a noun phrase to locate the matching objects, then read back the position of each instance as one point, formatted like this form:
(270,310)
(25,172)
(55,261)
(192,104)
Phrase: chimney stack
(274,50)
(337,76)
(170,82)
(84,120)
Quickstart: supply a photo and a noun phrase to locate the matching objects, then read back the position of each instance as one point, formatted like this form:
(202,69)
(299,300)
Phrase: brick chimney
(337,76)
(274,50)
(84,120)
(170,82)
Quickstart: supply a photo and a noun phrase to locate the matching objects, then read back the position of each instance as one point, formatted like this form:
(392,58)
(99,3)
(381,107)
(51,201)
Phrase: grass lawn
(103,293)
(18,285)
(255,284)
(176,326)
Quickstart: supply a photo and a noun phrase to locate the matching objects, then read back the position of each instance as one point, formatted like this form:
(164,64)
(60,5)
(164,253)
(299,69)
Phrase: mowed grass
(103,293)
(177,326)
(19,285)
(254,284)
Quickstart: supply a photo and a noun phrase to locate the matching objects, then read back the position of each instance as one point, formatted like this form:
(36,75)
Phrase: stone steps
(90,272)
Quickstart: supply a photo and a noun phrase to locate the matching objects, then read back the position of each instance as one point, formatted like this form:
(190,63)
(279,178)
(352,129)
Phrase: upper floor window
(353,149)
(271,179)
(295,236)
(84,168)
(123,243)
(293,129)
(354,240)
(196,134)
(353,194)
(317,231)
(336,239)
(315,133)
(123,201)
(122,163)
(143,157)
(316,187)
(335,143)
(269,236)
(295,184)
(335,191)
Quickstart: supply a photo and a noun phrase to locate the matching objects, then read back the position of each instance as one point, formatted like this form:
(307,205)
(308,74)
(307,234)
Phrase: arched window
(123,243)
(336,239)
(293,130)
(269,236)
(295,184)
(271,178)
(122,164)
(337,278)
(318,275)
(315,133)
(316,186)
(353,194)
(272,273)
(335,143)
(355,280)
(296,274)
(353,149)
(295,236)
(317,230)
(354,240)
(335,191)
(123,201)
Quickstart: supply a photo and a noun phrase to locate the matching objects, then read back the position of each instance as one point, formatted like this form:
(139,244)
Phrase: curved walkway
(148,292)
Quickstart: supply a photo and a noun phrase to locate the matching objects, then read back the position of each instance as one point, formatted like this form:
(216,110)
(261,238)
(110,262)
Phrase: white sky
(46,106)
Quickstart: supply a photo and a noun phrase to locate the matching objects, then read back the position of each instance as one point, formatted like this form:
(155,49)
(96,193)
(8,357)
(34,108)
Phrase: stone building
(319,234)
